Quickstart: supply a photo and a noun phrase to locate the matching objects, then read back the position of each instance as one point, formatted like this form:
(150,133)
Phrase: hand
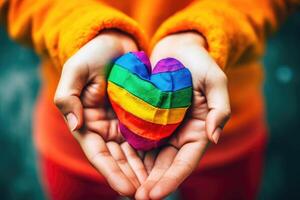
(208,114)
(81,98)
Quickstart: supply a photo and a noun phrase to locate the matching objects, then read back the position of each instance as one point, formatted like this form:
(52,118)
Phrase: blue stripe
(181,78)
(130,62)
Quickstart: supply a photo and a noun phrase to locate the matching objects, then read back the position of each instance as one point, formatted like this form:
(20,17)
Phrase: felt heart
(150,105)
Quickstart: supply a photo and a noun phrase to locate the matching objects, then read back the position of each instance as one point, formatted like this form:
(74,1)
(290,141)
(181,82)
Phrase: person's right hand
(81,98)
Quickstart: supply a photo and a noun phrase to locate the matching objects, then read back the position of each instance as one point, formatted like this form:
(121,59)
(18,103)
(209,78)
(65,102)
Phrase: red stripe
(141,127)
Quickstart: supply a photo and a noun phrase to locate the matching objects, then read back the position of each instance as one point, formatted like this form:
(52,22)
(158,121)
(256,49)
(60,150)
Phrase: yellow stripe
(143,110)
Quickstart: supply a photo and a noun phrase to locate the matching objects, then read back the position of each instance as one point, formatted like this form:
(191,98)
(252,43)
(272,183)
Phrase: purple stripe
(139,142)
(167,65)
(141,55)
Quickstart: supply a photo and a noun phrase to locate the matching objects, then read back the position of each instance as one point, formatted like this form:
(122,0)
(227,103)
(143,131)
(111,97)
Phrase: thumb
(67,95)
(218,103)
(71,108)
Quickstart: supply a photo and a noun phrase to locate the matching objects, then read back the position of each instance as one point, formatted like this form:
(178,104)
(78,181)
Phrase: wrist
(116,40)
(186,38)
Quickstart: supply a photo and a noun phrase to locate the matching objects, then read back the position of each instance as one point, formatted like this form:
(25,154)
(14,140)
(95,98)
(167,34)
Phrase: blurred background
(19,84)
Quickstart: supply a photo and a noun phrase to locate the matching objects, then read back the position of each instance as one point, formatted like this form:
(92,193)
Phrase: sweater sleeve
(57,28)
(235,30)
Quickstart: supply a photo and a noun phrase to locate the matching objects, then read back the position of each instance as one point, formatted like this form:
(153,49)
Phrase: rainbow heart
(149,105)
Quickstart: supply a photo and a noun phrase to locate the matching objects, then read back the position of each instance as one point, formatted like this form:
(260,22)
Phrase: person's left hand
(209,112)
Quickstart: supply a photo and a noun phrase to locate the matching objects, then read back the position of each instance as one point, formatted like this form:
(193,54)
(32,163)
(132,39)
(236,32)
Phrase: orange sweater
(235,32)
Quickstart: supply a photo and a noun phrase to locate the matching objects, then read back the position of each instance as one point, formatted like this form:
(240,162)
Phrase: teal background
(19,84)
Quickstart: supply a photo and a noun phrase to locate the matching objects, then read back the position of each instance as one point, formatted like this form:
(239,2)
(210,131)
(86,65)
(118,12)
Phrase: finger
(108,129)
(217,96)
(184,163)
(135,162)
(67,95)
(122,161)
(95,114)
(161,165)
(94,93)
(98,154)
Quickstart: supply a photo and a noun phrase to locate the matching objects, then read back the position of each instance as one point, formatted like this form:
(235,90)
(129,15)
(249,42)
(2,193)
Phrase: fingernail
(216,135)
(72,121)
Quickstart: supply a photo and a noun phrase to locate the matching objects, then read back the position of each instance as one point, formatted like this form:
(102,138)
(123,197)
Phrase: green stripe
(148,92)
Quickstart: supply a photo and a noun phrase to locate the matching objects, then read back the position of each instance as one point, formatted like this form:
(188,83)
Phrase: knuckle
(94,157)
(222,77)
(227,113)
(121,160)
(73,63)
(60,101)
(111,41)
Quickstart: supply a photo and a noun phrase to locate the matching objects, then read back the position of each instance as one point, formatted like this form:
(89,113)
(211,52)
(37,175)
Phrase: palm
(82,91)
(105,147)
(193,130)
(171,165)
(80,96)
(103,144)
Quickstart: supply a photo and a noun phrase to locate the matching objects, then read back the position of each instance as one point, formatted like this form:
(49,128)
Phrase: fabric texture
(139,108)
(234,30)
(57,29)
(152,95)
(166,81)
(140,95)
(136,123)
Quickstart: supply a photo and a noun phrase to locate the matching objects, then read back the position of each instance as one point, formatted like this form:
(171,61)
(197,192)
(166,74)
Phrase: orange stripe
(142,109)
(141,127)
